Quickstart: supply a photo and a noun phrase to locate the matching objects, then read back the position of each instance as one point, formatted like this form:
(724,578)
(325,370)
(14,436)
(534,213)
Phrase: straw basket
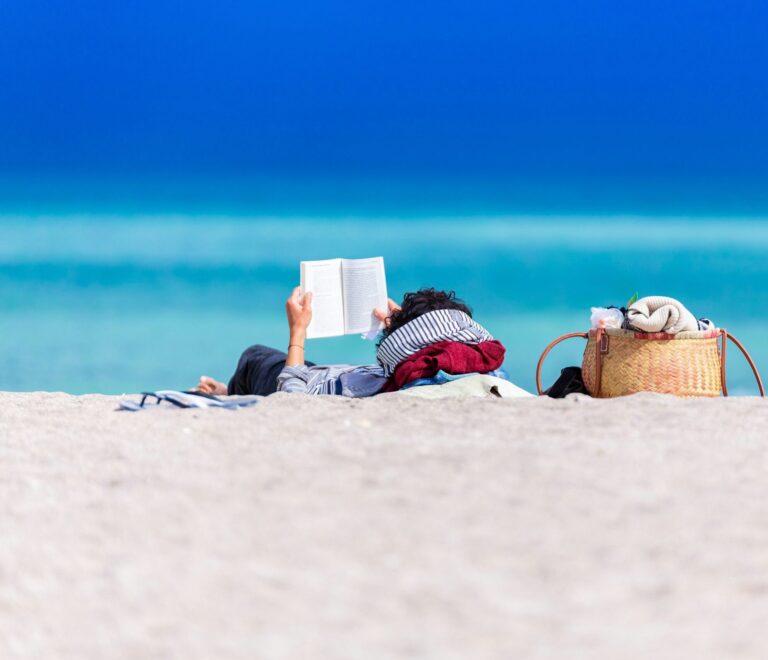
(620,362)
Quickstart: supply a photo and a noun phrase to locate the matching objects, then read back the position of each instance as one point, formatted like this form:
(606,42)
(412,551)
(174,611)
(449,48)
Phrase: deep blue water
(164,167)
(120,302)
(550,87)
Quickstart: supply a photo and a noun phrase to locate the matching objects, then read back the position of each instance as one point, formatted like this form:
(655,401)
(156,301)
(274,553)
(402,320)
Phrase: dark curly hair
(420,302)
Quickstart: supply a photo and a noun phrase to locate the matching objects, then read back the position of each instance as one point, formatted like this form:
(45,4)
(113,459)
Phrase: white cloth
(606,317)
(481,385)
(661,314)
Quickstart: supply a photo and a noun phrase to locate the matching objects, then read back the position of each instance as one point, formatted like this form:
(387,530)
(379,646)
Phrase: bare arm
(298,309)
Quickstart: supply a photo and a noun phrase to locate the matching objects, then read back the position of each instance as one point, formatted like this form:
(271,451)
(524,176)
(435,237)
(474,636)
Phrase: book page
(323,279)
(365,288)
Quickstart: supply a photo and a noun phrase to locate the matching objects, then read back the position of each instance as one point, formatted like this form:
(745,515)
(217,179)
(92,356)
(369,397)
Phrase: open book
(344,295)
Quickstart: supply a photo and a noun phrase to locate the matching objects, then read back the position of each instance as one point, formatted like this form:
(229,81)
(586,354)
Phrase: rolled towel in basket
(660,314)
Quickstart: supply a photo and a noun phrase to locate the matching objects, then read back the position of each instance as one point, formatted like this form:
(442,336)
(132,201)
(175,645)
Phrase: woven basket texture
(686,367)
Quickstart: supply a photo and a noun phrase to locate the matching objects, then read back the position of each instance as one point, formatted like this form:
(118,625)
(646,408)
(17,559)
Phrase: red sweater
(450,356)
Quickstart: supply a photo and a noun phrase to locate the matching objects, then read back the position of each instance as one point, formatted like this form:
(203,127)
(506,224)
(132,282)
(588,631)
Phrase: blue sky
(545,89)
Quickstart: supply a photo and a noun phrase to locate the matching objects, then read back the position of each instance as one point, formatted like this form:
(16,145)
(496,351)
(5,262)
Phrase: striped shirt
(428,329)
(328,379)
(350,380)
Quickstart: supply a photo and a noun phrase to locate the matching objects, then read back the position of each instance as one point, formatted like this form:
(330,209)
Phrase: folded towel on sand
(187,399)
(481,386)
(450,356)
(442,377)
(661,314)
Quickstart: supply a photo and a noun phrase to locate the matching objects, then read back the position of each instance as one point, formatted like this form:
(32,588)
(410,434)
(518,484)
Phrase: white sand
(403,528)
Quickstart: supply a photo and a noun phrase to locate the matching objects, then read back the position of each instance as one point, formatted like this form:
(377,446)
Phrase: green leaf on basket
(632,300)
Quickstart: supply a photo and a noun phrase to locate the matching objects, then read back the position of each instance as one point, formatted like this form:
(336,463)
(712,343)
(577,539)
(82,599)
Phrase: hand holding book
(383,315)
(298,309)
(345,294)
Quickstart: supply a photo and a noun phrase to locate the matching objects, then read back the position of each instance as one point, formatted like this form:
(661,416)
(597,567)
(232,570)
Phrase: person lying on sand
(429,331)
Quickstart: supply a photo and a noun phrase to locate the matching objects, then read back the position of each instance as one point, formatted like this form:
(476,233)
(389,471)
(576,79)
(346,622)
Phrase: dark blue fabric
(363,381)
(257,371)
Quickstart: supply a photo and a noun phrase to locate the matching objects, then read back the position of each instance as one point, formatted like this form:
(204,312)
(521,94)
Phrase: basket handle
(583,335)
(725,337)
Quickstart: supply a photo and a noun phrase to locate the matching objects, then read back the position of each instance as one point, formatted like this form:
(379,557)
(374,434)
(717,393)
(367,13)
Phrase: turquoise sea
(121,293)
